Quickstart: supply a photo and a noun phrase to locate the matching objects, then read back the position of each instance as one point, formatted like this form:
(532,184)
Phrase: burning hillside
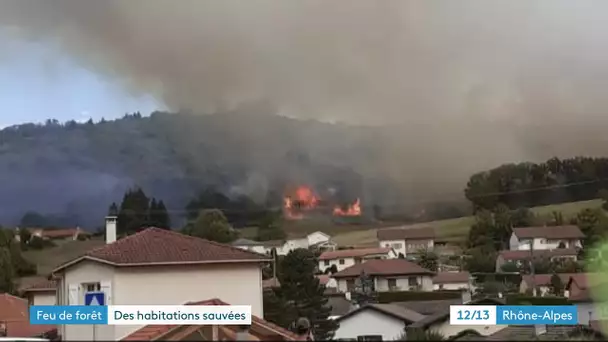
(304,201)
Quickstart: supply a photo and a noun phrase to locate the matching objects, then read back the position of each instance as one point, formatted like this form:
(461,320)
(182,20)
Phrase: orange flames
(304,199)
(352,210)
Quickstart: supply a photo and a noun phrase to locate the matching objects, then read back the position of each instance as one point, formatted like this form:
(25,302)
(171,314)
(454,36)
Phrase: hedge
(406,296)
(518,299)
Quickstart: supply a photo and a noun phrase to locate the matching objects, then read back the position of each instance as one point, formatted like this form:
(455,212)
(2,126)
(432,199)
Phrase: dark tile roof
(559,232)
(340,306)
(42,286)
(405,233)
(353,253)
(527,333)
(259,327)
(429,307)
(527,254)
(395,311)
(383,267)
(155,246)
(451,277)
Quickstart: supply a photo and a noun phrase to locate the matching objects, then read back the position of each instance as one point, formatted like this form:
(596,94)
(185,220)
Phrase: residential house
(375,322)
(519,257)
(160,267)
(15,322)
(543,332)
(407,240)
(68,234)
(579,292)
(254,246)
(327,281)
(345,258)
(546,238)
(542,282)
(440,321)
(388,275)
(452,281)
(42,293)
(259,330)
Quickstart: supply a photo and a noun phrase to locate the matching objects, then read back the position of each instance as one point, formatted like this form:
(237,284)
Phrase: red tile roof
(451,277)
(386,267)
(353,253)
(155,246)
(323,279)
(524,255)
(545,279)
(14,314)
(258,325)
(405,234)
(559,232)
(43,286)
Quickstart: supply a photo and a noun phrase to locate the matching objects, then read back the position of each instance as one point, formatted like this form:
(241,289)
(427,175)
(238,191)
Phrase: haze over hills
(77,169)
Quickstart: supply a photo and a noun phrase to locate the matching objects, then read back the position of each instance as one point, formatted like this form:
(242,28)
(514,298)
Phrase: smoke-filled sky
(464,84)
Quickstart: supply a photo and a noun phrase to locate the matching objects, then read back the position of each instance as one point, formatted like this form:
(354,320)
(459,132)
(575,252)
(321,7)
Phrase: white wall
(402,283)
(256,249)
(316,237)
(590,311)
(325,264)
(541,243)
(43,298)
(85,272)
(397,245)
(236,284)
(451,286)
(447,330)
(369,322)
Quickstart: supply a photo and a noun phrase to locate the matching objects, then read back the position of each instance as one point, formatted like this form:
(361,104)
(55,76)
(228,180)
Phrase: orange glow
(352,210)
(303,199)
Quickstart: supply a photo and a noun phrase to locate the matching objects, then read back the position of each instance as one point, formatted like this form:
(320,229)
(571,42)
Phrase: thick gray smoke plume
(464,85)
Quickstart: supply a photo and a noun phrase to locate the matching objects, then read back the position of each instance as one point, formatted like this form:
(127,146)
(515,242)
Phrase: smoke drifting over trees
(461,85)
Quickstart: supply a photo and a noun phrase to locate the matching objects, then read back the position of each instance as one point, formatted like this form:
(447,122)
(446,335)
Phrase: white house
(42,293)
(316,239)
(519,257)
(388,275)
(161,267)
(406,240)
(546,238)
(452,281)
(345,258)
(440,322)
(262,247)
(376,322)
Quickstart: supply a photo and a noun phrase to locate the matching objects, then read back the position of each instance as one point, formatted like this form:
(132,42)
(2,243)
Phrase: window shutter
(73,294)
(106,287)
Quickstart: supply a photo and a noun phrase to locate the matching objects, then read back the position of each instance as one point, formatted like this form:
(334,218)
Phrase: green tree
(594,224)
(133,212)
(510,267)
(34,219)
(302,290)
(557,286)
(480,260)
(428,260)
(7,271)
(211,224)
(421,335)
(163,220)
(24,237)
(603,195)
(364,292)
(113,210)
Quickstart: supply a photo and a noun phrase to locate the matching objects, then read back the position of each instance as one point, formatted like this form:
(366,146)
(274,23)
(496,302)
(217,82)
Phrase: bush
(406,296)
(82,237)
(36,242)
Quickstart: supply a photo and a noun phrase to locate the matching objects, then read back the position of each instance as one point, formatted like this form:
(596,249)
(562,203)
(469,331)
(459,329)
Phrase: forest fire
(351,210)
(304,200)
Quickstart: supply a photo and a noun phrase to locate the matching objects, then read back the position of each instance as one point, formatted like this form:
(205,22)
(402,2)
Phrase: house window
(91,287)
(341,261)
(412,281)
(350,284)
(392,283)
(397,246)
(326,262)
(369,338)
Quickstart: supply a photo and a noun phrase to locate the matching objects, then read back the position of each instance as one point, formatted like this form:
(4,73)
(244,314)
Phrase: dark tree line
(529,184)
(138,211)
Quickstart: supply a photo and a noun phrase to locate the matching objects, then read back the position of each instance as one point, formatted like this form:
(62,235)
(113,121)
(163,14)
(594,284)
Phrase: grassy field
(49,258)
(457,229)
